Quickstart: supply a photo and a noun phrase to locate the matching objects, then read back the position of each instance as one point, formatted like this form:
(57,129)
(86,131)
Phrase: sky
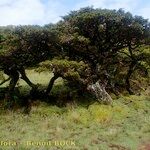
(41,12)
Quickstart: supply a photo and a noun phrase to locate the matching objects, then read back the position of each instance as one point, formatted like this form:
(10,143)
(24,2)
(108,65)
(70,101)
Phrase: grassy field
(123,126)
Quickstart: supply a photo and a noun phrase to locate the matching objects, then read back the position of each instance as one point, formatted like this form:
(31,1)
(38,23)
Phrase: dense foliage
(77,74)
(88,46)
(99,37)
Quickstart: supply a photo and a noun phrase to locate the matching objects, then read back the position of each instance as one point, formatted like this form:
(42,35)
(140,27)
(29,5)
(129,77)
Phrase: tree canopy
(99,36)
(100,45)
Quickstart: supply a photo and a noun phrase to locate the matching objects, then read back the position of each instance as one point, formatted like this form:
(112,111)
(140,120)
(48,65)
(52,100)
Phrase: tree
(98,36)
(75,73)
(25,46)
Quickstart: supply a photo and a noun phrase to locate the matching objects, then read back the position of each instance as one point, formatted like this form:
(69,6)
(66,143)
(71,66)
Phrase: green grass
(123,126)
(40,78)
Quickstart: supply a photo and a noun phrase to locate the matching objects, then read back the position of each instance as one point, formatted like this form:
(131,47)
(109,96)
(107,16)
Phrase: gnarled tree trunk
(51,83)
(98,89)
(5,81)
(128,76)
(14,76)
(26,79)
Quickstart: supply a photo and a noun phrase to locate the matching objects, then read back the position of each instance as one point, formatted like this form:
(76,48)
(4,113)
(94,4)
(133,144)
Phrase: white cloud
(111,4)
(134,6)
(53,11)
(21,12)
(42,12)
(29,12)
(5,2)
(145,12)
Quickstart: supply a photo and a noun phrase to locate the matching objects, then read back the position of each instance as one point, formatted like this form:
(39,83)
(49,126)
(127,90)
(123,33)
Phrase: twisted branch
(5,81)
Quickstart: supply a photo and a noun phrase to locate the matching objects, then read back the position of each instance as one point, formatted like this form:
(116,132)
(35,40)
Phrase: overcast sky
(25,12)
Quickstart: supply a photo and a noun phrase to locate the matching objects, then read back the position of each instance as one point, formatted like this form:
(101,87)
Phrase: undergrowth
(125,125)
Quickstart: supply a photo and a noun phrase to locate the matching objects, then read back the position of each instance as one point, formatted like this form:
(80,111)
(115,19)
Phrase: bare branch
(5,81)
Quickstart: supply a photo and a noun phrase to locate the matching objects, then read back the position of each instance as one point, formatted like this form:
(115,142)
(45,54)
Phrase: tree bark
(5,81)
(9,99)
(128,76)
(100,93)
(26,79)
(51,83)
(13,82)
(130,70)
